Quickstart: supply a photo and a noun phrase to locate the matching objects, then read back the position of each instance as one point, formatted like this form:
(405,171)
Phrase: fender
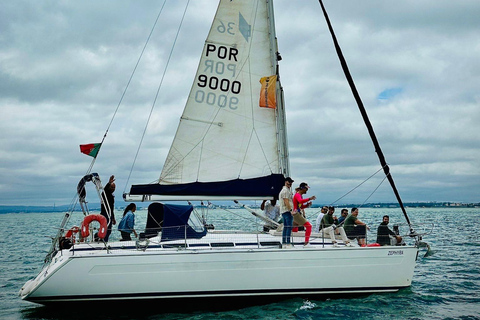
(102,232)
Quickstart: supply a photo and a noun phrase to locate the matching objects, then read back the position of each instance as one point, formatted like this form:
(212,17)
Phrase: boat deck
(215,239)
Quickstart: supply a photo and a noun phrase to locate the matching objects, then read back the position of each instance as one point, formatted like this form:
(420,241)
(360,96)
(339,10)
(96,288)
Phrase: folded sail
(254,188)
(224,134)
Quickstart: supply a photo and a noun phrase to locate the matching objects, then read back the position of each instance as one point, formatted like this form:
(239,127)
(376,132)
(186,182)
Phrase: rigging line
(371,194)
(246,152)
(356,187)
(129,80)
(234,213)
(66,219)
(356,95)
(200,158)
(156,95)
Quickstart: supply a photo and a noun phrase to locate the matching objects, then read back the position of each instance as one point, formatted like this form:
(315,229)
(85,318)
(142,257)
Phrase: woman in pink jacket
(298,205)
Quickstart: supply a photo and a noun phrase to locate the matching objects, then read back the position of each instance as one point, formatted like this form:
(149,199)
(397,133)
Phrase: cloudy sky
(65,64)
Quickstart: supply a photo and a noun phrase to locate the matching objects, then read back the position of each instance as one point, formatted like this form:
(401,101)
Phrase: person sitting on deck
(330,225)
(271,211)
(318,222)
(384,234)
(343,216)
(354,228)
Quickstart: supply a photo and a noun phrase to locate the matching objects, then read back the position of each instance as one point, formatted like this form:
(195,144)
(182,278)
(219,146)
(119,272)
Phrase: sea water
(446,283)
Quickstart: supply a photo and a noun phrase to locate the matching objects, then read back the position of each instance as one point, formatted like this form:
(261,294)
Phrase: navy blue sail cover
(268,186)
(175,223)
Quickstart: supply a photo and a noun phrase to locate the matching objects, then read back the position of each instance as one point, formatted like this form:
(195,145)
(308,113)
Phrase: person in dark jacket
(384,233)
(108,209)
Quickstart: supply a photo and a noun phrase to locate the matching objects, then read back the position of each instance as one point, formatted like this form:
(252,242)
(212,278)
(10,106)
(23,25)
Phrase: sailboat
(231,144)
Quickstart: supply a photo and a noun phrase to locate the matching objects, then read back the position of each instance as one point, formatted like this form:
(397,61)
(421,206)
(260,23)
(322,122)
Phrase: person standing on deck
(108,209)
(127,224)
(298,204)
(286,206)
(330,226)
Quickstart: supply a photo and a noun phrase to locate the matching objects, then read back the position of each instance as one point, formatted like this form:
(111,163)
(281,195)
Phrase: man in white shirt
(286,206)
(318,222)
(271,211)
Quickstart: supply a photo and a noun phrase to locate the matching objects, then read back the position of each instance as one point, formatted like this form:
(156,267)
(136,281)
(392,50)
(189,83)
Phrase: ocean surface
(446,284)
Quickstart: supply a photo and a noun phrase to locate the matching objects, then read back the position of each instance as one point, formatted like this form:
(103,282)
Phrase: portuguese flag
(90,149)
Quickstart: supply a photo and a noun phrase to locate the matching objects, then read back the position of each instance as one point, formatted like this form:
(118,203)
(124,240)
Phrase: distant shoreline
(96,207)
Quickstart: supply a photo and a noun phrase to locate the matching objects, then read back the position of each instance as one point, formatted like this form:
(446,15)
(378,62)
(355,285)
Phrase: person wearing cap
(298,205)
(286,206)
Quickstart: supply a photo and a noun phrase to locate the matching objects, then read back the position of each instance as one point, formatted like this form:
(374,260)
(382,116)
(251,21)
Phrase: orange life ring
(71,233)
(102,232)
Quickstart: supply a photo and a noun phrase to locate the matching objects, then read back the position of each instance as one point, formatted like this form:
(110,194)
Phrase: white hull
(179,273)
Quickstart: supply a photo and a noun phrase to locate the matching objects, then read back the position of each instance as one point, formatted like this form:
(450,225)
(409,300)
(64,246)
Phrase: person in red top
(298,205)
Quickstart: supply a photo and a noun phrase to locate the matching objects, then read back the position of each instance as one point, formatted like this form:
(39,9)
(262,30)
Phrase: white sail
(223,133)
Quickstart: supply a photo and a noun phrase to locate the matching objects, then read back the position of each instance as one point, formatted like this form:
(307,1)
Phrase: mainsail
(227,144)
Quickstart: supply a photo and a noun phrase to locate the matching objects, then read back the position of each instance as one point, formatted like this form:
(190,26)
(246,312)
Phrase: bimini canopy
(174,222)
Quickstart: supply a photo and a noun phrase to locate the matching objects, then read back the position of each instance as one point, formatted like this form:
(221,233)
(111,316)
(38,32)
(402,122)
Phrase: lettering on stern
(395,253)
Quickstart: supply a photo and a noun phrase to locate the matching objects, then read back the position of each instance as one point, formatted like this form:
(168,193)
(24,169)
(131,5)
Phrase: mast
(284,164)
(375,142)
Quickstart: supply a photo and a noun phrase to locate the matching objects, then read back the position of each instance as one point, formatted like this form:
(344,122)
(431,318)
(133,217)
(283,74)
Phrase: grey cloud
(64,66)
